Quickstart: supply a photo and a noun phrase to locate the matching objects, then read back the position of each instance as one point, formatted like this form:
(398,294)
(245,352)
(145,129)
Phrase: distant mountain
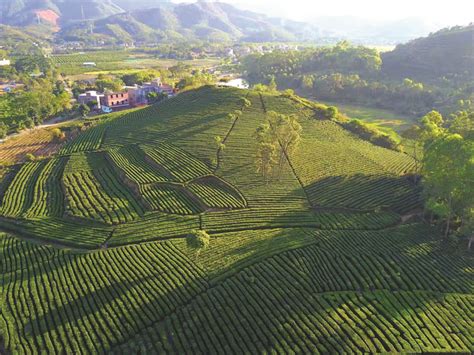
(130,5)
(54,12)
(201,20)
(446,52)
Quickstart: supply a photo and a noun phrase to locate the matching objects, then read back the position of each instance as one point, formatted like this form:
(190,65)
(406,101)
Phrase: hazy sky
(444,11)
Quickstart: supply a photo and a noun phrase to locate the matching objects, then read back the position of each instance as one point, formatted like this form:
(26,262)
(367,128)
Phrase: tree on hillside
(198,240)
(272,86)
(431,127)
(448,167)
(110,83)
(58,135)
(83,110)
(219,142)
(3,130)
(246,103)
(447,179)
(277,139)
(286,131)
(420,137)
(266,154)
(412,140)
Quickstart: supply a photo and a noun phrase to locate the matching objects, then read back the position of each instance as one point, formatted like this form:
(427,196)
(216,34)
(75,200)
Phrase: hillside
(324,256)
(447,52)
(201,20)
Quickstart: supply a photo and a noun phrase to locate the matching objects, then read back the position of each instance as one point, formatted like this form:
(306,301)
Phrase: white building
(4,62)
(90,96)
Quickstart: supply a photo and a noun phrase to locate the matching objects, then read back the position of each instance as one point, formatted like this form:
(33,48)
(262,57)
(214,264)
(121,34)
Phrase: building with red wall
(115,100)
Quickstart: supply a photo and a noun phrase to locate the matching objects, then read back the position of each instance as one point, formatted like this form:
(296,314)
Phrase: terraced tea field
(326,256)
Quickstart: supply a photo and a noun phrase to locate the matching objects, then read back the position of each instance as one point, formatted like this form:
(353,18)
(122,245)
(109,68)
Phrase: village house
(4,62)
(138,94)
(91,96)
(115,100)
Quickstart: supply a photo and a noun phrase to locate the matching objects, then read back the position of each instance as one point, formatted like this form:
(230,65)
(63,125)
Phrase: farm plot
(65,302)
(48,198)
(365,192)
(154,226)
(305,300)
(38,142)
(20,193)
(131,160)
(59,231)
(87,141)
(171,199)
(215,193)
(189,121)
(338,170)
(278,318)
(262,218)
(93,191)
(177,162)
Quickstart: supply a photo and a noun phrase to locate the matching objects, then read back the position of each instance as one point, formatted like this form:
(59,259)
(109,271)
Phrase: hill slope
(446,52)
(314,260)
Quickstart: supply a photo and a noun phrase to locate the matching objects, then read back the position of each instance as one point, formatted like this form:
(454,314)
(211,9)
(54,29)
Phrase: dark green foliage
(444,53)
(441,65)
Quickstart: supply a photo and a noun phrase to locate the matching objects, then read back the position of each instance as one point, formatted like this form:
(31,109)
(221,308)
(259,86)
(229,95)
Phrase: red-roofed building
(115,100)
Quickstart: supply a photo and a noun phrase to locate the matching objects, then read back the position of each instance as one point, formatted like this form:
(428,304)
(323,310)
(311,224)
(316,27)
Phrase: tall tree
(448,178)
(277,139)
(286,131)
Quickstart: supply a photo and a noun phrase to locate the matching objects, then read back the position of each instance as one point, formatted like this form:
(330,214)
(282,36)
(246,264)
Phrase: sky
(448,12)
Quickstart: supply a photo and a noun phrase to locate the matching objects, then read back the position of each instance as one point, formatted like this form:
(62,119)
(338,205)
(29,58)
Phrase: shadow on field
(365,192)
(312,299)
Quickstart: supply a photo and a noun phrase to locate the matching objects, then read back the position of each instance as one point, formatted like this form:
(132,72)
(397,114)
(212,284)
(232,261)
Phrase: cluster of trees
(348,73)
(195,80)
(446,163)
(40,99)
(277,139)
(181,75)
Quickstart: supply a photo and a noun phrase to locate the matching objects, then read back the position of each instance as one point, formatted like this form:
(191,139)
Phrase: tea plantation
(324,257)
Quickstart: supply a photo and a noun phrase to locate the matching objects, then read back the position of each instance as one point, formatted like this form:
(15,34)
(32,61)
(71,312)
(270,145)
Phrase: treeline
(355,74)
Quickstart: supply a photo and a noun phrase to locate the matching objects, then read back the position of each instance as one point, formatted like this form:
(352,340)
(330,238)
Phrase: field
(385,120)
(38,142)
(327,256)
(117,61)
